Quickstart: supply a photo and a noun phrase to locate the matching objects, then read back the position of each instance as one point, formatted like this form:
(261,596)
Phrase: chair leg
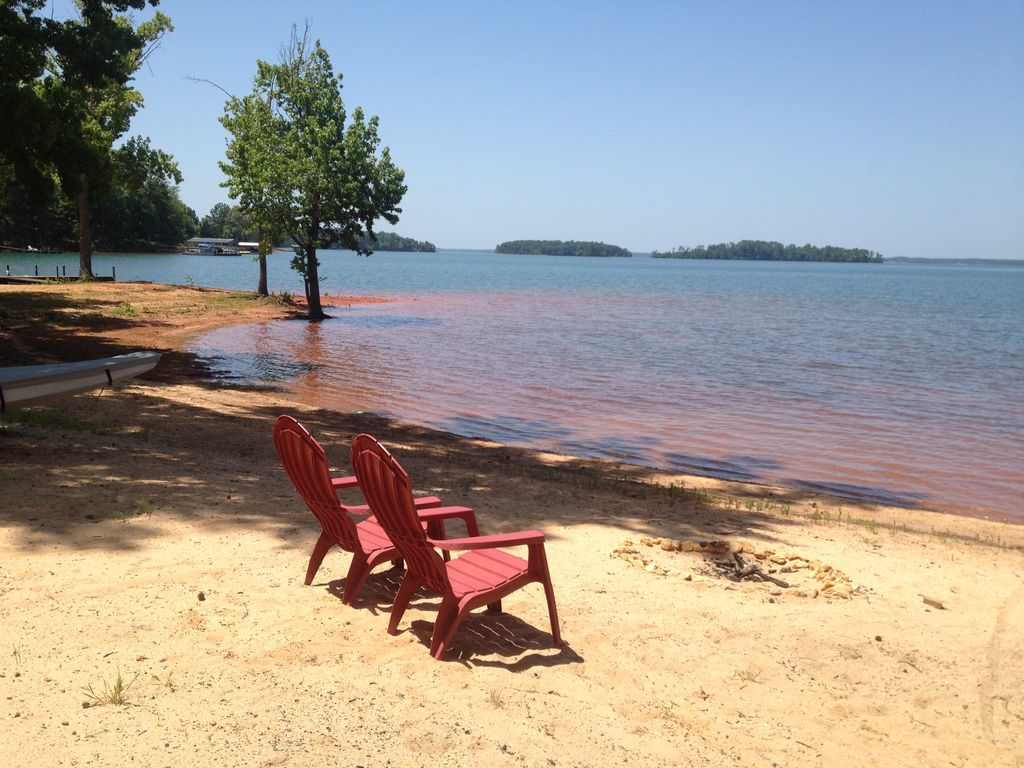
(494,607)
(471,527)
(406,590)
(358,570)
(444,626)
(435,530)
(549,592)
(323,544)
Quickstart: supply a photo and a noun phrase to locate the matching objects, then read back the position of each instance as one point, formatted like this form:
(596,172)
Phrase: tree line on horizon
(232,223)
(764,250)
(560,248)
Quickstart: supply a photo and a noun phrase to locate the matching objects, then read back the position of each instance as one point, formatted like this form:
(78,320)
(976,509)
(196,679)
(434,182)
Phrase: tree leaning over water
(297,169)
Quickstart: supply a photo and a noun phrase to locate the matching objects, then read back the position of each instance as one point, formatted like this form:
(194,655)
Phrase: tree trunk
(261,289)
(264,249)
(316,312)
(84,230)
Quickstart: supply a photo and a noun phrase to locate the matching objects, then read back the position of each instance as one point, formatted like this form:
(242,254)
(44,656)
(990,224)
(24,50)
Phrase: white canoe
(29,384)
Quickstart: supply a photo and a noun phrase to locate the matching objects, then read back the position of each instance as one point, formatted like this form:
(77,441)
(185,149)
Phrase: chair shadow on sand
(518,645)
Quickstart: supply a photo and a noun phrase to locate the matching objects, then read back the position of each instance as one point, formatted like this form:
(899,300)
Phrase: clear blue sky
(894,126)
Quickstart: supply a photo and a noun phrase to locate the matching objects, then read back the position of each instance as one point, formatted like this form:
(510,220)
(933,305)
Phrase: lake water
(897,382)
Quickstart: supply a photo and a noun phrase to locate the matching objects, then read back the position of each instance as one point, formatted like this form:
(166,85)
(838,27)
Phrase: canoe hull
(32,384)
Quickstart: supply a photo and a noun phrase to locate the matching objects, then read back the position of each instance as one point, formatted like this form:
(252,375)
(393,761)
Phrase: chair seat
(373,537)
(484,570)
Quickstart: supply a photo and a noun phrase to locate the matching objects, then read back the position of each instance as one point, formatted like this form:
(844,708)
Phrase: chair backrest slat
(305,463)
(388,491)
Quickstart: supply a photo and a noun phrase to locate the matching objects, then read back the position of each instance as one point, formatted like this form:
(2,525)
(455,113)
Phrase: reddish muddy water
(858,397)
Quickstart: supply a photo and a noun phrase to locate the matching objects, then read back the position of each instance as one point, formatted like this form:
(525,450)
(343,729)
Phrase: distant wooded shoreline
(763,250)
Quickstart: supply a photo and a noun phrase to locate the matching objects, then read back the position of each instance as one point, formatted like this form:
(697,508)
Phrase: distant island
(761,250)
(391,241)
(561,248)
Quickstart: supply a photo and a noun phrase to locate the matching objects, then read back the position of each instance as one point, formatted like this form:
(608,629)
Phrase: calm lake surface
(897,382)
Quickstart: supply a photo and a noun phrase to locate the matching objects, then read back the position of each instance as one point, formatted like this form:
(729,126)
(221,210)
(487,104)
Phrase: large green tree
(297,169)
(25,40)
(142,210)
(87,91)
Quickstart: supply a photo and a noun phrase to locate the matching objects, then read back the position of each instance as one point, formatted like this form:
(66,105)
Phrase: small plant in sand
(167,681)
(494,697)
(668,711)
(871,526)
(17,655)
(286,297)
(126,309)
(141,507)
(749,675)
(112,693)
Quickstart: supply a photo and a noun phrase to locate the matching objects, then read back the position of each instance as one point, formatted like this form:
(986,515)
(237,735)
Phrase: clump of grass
(17,655)
(494,697)
(668,711)
(45,417)
(167,681)
(286,297)
(871,526)
(142,507)
(748,675)
(126,309)
(112,693)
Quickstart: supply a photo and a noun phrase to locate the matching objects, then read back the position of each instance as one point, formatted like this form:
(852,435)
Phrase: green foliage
(112,693)
(391,241)
(47,418)
(40,217)
(25,40)
(761,250)
(228,221)
(142,210)
(561,248)
(66,99)
(296,168)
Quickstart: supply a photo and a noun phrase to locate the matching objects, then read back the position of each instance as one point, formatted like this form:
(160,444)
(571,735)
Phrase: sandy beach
(149,534)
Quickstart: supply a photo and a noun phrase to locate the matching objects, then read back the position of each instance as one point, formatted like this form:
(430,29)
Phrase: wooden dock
(60,273)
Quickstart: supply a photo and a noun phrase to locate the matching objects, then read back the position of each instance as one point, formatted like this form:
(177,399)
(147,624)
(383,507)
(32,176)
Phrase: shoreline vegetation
(153,549)
(392,241)
(561,248)
(763,250)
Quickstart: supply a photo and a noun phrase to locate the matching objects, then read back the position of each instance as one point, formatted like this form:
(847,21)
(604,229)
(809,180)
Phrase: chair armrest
(443,513)
(491,542)
(426,502)
(344,482)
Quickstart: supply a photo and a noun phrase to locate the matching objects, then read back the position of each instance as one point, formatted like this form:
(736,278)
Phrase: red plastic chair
(482,576)
(305,462)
